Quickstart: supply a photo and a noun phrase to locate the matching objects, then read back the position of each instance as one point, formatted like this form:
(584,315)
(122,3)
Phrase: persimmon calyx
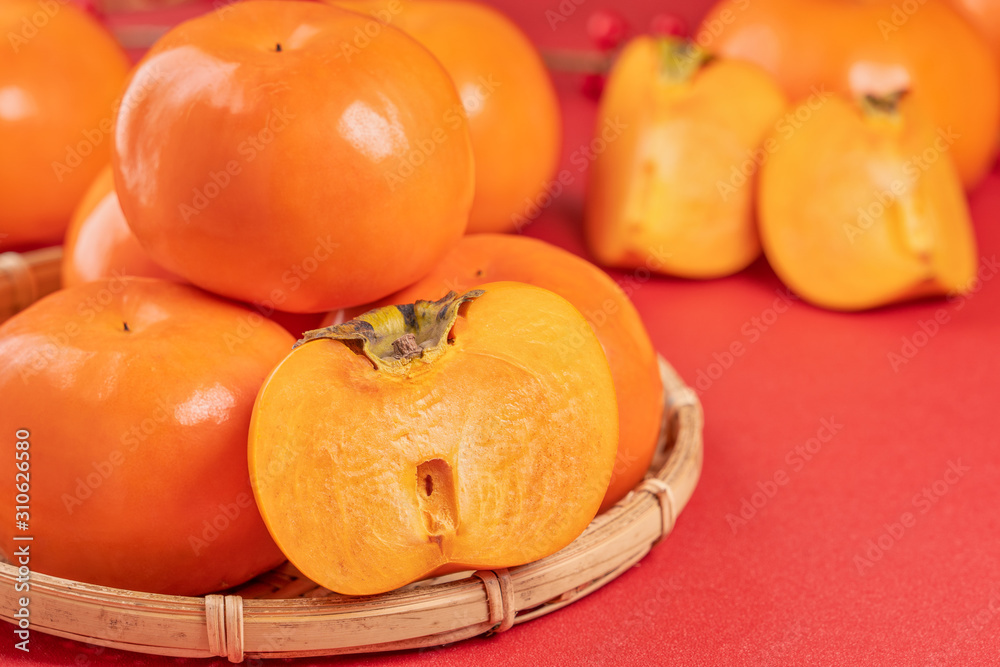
(393,336)
(882,105)
(680,59)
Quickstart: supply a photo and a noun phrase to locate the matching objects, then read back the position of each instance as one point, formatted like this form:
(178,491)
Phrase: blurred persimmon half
(673,190)
(257,160)
(507,96)
(873,47)
(480,258)
(861,207)
(60,76)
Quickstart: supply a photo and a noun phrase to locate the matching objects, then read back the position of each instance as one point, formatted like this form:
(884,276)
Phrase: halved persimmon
(674,193)
(435,437)
(481,258)
(862,206)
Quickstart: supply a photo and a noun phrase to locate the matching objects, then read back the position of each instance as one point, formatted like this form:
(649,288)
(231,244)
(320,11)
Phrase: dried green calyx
(680,59)
(393,336)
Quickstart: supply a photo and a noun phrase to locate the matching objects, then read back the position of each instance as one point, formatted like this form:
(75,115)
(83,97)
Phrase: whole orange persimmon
(481,258)
(862,47)
(435,437)
(507,94)
(257,160)
(133,398)
(60,73)
(99,244)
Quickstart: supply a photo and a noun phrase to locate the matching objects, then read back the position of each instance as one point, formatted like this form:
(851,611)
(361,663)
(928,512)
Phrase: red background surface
(785,587)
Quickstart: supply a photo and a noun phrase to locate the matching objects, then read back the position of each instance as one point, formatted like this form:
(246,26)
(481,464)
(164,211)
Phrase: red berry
(606,28)
(593,86)
(668,25)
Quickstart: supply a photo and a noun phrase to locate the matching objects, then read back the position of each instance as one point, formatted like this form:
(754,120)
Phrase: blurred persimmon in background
(859,208)
(674,193)
(859,48)
(59,80)
(985,15)
(507,93)
(99,241)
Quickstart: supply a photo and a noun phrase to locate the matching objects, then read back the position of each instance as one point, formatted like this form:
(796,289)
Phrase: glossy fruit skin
(137,448)
(508,96)
(861,208)
(517,424)
(60,74)
(868,47)
(99,243)
(670,194)
(327,177)
(482,258)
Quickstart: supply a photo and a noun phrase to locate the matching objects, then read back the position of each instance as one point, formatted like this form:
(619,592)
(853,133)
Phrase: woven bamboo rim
(282,614)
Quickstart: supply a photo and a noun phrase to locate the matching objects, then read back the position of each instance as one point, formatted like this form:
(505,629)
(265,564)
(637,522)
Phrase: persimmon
(861,207)
(672,194)
(506,92)
(482,258)
(985,16)
(873,47)
(134,396)
(99,242)
(435,437)
(256,159)
(60,74)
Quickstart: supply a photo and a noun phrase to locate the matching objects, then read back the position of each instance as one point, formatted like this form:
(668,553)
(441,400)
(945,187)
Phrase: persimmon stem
(277,48)
(393,336)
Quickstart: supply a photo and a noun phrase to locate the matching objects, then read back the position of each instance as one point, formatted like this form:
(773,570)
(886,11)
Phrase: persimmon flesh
(480,258)
(432,438)
(668,195)
(861,207)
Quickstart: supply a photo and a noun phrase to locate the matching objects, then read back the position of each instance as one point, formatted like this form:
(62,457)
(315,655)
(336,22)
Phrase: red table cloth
(847,512)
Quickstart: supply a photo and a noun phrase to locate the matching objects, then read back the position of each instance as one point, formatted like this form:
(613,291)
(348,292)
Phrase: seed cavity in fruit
(436,498)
